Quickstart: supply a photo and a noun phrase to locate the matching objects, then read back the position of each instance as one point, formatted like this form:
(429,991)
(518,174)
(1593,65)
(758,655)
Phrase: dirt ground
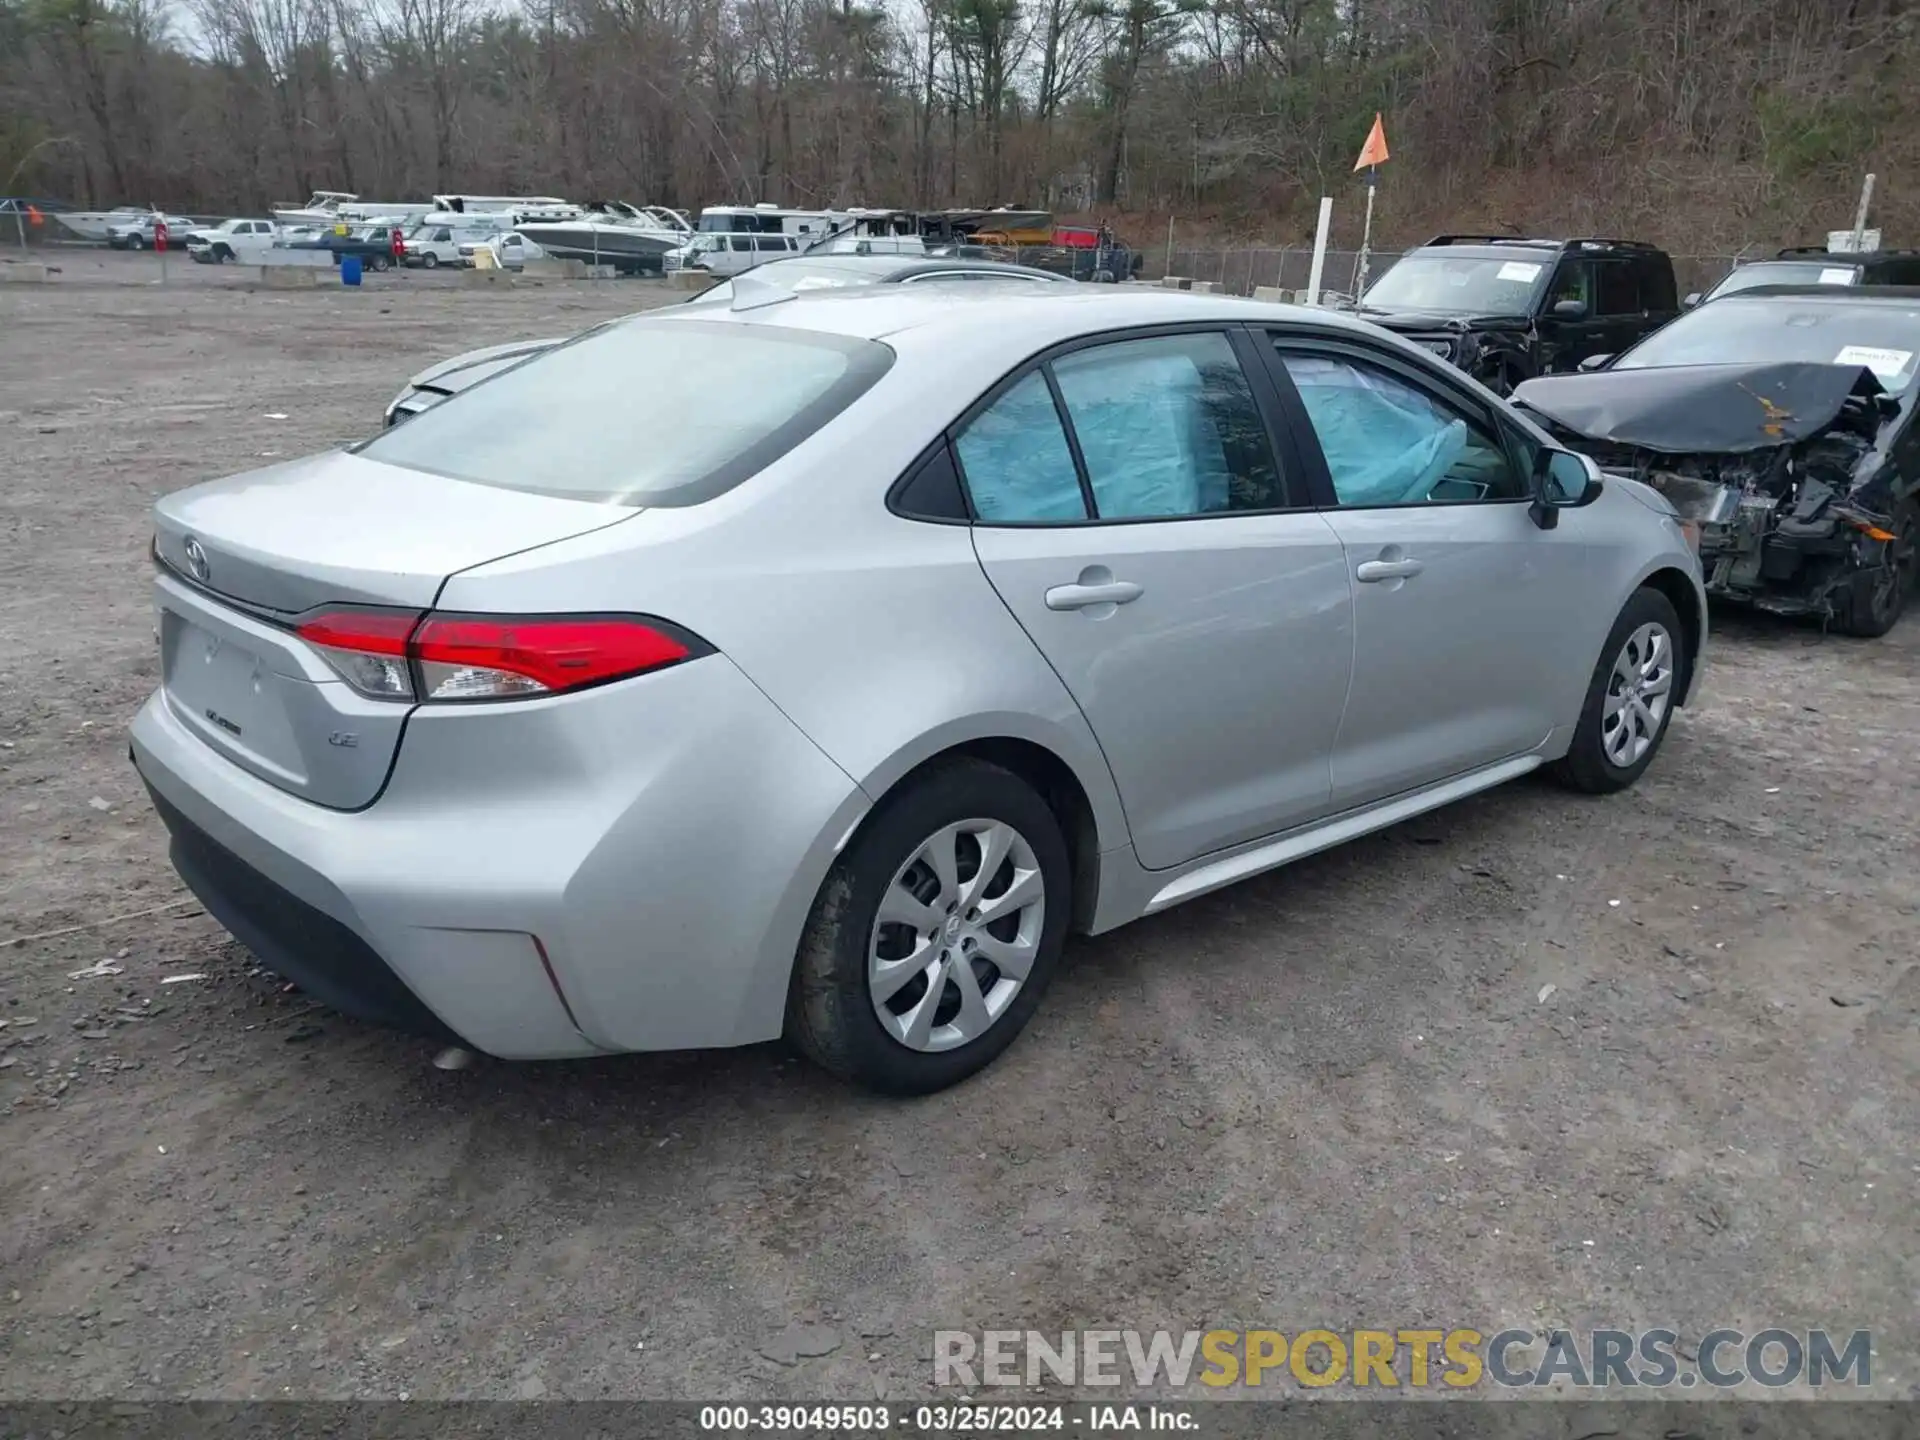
(1531,1061)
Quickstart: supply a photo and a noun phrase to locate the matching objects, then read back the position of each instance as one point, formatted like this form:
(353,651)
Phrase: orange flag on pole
(34,217)
(1374,151)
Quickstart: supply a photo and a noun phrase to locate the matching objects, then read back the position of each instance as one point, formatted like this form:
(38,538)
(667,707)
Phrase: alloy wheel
(956,935)
(1638,693)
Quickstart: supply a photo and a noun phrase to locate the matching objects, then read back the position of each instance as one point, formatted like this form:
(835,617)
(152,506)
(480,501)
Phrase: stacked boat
(633,239)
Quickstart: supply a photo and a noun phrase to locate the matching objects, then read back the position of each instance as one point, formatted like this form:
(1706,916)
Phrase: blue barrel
(349,269)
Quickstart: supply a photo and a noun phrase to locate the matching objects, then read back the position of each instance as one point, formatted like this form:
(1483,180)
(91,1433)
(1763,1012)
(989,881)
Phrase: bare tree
(1697,121)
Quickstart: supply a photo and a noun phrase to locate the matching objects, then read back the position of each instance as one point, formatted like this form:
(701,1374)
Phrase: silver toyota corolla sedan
(812,666)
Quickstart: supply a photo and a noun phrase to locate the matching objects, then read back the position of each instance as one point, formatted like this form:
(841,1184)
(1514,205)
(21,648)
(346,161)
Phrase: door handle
(1369,572)
(1079,597)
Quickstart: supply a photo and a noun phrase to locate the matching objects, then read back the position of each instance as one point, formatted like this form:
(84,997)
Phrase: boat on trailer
(631,238)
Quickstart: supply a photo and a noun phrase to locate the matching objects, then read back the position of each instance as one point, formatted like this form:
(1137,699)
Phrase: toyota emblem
(196,559)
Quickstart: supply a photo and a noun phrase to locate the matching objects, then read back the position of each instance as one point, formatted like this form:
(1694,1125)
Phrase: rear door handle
(1370,572)
(1079,597)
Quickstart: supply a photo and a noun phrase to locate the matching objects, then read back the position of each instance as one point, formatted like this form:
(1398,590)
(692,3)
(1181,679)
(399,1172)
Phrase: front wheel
(221,254)
(935,934)
(1880,595)
(136,242)
(1630,699)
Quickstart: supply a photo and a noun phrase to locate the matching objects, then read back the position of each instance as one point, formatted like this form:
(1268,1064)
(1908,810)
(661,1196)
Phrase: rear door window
(1618,288)
(1657,292)
(1168,426)
(629,413)
(1018,466)
(1160,427)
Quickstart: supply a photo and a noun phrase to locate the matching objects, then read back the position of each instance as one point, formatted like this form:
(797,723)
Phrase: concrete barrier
(1272,293)
(1205,287)
(23,272)
(695,280)
(550,269)
(282,258)
(293,277)
(1175,282)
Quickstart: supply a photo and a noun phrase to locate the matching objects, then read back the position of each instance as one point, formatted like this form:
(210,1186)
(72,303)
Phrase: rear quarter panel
(878,636)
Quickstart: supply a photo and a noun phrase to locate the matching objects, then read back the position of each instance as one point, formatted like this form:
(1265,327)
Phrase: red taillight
(397,655)
(374,632)
(366,648)
(485,657)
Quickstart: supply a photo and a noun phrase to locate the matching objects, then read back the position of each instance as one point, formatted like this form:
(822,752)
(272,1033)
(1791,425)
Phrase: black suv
(1505,310)
(1813,265)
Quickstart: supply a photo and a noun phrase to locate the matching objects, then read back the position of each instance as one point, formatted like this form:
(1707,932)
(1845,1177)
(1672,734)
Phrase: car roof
(895,266)
(1835,294)
(1844,257)
(1025,319)
(1503,250)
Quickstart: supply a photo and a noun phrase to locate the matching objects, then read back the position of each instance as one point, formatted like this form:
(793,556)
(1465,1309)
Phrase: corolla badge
(196,559)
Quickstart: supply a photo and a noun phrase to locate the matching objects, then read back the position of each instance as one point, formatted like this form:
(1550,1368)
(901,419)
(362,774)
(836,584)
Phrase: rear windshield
(1788,272)
(643,412)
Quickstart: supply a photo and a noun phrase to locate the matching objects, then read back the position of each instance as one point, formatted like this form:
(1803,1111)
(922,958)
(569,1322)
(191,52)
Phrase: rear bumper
(292,938)
(532,881)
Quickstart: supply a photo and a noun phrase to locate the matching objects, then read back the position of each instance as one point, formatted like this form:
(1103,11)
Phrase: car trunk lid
(243,558)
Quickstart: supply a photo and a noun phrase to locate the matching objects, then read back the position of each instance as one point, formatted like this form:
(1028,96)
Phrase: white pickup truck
(231,240)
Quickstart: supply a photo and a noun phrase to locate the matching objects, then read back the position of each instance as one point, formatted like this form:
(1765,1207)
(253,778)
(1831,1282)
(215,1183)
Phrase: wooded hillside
(1701,123)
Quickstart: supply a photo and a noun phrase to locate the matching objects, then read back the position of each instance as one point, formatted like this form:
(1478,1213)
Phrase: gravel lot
(1533,1060)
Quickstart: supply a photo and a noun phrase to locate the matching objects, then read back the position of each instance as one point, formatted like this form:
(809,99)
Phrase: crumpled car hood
(1406,321)
(1699,409)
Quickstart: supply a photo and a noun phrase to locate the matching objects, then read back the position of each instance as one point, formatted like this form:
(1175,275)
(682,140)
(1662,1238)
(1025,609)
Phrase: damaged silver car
(1779,422)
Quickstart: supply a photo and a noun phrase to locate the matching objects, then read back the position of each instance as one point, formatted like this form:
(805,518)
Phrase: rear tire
(921,855)
(1630,699)
(381,262)
(1880,595)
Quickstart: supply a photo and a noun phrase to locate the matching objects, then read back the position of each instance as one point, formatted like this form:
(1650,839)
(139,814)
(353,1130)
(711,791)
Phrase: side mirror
(1595,362)
(1569,310)
(1691,301)
(1562,480)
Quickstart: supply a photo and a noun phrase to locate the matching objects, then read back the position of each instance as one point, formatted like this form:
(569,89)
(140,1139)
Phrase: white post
(1169,269)
(1860,215)
(1319,265)
(1366,239)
